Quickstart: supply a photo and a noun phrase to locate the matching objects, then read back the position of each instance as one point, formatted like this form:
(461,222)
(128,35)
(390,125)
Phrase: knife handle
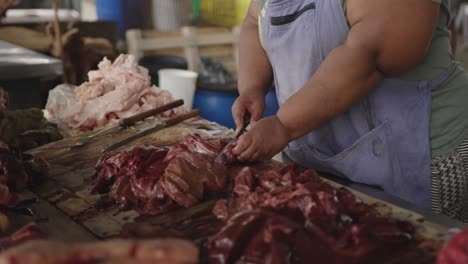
(183,117)
(246,123)
(129,121)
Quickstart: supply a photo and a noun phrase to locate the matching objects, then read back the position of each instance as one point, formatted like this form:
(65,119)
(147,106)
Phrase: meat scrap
(156,179)
(227,154)
(292,216)
(116,90)
(456,250)
(17,171)
(27,233)
(26,128)
(162,251)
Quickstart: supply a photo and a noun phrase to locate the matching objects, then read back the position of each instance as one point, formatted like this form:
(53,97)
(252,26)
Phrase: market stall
(115,168)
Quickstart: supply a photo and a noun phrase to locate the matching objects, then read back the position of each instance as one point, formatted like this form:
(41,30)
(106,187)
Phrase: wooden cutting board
(70,181)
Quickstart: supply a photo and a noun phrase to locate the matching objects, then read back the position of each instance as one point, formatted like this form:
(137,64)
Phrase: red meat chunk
(156,179)
(270,217)
(455,251)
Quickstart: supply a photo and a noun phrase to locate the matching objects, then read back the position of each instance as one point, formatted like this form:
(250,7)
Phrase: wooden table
(69,210)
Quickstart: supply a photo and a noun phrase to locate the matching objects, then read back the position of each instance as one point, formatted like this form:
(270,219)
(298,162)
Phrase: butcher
(368,90)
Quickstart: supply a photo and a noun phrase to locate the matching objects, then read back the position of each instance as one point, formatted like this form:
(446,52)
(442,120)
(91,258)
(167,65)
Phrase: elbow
(399,60)
(397,63)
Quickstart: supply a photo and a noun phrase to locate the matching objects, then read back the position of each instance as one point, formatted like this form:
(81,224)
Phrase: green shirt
(449,117)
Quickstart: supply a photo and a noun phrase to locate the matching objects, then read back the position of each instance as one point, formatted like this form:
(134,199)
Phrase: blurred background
(198,35)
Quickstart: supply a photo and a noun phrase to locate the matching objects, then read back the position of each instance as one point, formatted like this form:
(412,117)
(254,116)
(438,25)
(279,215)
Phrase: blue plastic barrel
(216,105)
(126,13)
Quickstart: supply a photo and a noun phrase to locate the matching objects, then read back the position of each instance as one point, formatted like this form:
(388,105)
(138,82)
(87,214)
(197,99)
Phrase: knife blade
(166,124)
(219,157)
(124,123)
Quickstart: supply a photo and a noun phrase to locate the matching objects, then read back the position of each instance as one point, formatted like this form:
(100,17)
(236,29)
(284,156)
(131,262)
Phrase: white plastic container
(171,14)
(181,83)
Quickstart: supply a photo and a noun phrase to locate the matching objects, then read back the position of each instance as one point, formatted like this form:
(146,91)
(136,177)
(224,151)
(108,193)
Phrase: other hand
(264,140)
(253,103)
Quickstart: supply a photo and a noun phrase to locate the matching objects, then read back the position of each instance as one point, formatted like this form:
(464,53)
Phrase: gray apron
(382,140)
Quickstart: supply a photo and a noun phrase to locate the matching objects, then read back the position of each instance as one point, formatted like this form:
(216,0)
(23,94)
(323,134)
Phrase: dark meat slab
(17,171)
(132,177)
(156,179)
(337,225)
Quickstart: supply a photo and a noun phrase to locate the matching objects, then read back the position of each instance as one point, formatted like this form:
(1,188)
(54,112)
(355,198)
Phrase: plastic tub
(127,14)
(216,105)
(181,83)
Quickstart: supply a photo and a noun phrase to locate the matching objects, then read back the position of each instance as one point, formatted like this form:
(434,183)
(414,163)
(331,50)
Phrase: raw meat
(26,128)
(27,233)
(4,101)
(227,156)
(17,171)
(340,227)
(115,91)
(456,250)
(191,171)
(132,178)
(156,179)
(262,237)
(163,251)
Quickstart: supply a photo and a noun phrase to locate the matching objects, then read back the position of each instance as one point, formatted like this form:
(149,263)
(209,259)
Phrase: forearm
(345,77)
(255,72)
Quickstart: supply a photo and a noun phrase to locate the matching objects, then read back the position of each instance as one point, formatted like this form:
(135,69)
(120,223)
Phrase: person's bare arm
(255,72)
(387,38)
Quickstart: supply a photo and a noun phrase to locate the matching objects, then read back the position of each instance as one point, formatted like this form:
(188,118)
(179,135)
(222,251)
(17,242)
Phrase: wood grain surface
(69,212)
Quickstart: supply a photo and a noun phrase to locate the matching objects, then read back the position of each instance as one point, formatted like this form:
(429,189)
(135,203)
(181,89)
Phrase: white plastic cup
(180,83)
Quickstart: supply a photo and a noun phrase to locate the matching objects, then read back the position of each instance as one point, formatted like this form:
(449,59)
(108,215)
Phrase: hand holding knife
(246,123)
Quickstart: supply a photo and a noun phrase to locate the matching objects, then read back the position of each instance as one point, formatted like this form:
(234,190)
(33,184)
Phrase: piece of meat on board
(162,251)
(340,227)
(264,237)
(26,233)
(190,175)
(455,251)
(156,179)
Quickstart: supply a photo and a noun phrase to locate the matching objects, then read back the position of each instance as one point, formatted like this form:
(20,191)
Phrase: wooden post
(58,39)
(134,37)
(191,48)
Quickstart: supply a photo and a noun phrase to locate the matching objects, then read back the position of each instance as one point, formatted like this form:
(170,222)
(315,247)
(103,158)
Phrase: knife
(130,121)
(219,158)
(124,123)
(166,124)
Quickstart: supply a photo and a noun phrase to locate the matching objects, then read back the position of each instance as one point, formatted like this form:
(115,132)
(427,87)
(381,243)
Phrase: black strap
(282,20)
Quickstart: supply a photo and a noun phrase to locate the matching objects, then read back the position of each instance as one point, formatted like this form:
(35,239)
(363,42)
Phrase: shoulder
(391,9)
(394,29)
